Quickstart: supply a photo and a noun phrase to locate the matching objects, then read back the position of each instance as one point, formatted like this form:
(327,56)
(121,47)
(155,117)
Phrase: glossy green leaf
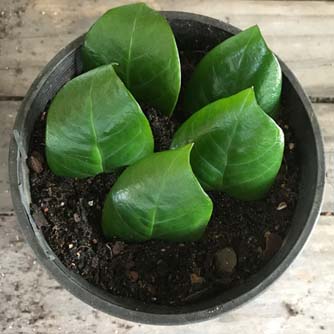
(238,148)
(142,43)
(157,198)
(240,62)
(95,125)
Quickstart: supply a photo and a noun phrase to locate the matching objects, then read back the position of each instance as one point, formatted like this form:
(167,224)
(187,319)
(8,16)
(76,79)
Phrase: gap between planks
(313,99)
(12,214)
(11,98)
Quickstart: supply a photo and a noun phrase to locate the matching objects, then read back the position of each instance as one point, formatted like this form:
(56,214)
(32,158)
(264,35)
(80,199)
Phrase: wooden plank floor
(301,33)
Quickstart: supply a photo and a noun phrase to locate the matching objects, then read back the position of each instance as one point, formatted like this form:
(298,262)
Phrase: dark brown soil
(157,271)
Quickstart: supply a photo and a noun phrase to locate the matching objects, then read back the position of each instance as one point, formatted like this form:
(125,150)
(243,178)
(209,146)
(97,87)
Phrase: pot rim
(120,307)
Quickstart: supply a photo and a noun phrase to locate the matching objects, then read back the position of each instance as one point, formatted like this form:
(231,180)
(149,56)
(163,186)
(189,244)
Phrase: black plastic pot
(192,32)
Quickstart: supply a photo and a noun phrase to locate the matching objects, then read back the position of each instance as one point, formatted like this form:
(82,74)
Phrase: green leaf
(95,125)
(142,43)
(240,62)
(238,148)
(157,198)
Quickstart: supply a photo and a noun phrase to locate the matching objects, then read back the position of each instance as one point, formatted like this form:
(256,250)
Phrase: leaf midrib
(157,202)
(131,47)
(241,109)
(95,138)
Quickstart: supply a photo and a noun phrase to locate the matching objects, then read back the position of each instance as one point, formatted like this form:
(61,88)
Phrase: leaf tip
(188,148)
(255,28)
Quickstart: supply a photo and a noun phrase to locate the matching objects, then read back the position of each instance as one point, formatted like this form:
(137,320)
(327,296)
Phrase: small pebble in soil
(133,276)
(195,279)
(291,146)
(117,248)
(273,244)
(76,217)
(281,206)
(225,260)
(36,162)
